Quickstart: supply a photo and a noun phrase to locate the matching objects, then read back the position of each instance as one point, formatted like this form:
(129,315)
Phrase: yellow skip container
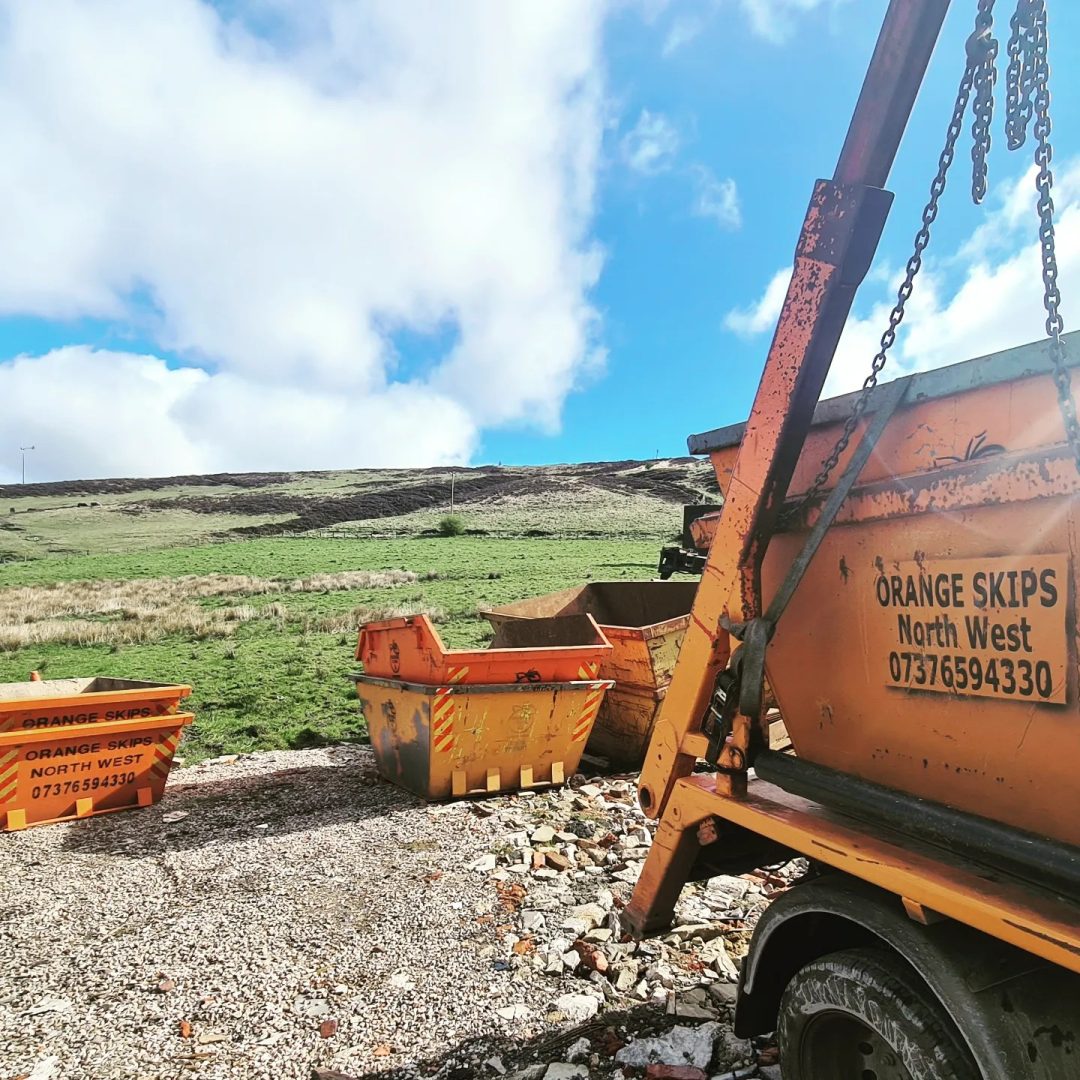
(449,741)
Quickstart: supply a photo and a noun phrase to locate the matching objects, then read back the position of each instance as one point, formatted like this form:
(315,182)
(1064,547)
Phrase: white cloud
(122,414)
(717,199)
(116,411)
(683,30)
(281,202)
(762,315)
(775,20)
(650,146)
(985,297)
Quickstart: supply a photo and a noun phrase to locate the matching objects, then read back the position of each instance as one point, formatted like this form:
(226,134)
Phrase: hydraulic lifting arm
(713,708)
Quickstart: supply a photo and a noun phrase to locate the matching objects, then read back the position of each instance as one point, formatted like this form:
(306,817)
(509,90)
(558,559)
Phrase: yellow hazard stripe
(163,753)
(584,727)
(588,713)
(457,674)
(594,697)
(588,671)
(9,774)
(442,714)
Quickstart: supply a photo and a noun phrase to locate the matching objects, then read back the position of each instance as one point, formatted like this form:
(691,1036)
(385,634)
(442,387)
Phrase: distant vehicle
(689,557)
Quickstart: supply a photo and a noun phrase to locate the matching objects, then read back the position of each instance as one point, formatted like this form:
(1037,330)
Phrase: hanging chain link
(985,77)
(1020,78)
(1027,97)
(1033,96)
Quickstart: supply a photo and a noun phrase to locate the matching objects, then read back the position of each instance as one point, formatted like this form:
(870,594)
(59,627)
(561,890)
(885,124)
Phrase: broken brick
(591,957)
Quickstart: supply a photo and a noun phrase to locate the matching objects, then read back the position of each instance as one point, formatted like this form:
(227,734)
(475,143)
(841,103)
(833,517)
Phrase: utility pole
(22,450)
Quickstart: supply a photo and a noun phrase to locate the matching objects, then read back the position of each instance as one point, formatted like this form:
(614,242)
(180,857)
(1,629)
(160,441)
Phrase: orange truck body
(944,588)
(913,614)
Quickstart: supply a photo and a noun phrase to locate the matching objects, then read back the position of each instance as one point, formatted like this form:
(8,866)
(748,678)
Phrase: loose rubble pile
(566,867)
(289,916)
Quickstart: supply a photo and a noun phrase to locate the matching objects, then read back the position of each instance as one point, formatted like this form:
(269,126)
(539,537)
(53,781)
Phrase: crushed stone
(289,915)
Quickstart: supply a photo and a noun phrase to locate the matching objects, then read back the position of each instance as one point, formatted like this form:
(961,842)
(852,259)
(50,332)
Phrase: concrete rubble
(567,929)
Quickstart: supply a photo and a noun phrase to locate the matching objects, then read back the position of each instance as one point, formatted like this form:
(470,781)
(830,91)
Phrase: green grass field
(282,682)
(268,652)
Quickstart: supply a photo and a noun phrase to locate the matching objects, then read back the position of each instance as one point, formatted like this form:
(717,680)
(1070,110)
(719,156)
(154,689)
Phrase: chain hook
(981,43)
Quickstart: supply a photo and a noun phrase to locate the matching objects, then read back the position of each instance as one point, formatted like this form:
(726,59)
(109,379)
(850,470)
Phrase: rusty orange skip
(537,650)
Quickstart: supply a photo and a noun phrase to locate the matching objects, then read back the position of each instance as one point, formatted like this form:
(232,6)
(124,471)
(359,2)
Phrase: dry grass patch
(131,612)
(351,620)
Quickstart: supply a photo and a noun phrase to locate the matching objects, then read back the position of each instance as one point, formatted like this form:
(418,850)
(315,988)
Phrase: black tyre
(862,1014)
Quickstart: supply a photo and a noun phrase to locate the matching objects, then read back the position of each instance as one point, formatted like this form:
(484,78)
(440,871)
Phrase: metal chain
(1027,97)
(1036,47)
(976,48)
(1019,79)
(985,77)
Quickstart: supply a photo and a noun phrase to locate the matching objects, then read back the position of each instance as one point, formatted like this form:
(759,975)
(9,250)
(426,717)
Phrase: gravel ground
(285,913)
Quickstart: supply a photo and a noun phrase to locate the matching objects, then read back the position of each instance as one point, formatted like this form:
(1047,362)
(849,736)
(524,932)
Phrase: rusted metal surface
(839,235)
(643,620)
(1014,479)
(540,650)
(624,725)
(645,623)
(457,740)
(703,530)
(691,514)
(907,39)
(1020,914)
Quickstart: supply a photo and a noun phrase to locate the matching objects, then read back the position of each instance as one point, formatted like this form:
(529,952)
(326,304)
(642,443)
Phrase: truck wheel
(861,1014)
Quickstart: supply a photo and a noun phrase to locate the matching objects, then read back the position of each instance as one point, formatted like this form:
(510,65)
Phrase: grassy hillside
(251,588)
(634,500)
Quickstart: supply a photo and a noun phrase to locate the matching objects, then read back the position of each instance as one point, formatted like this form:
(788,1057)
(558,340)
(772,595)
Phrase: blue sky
(337,234)
(772,115)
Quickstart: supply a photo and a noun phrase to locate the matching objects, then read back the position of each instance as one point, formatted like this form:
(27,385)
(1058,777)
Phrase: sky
(252,235)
